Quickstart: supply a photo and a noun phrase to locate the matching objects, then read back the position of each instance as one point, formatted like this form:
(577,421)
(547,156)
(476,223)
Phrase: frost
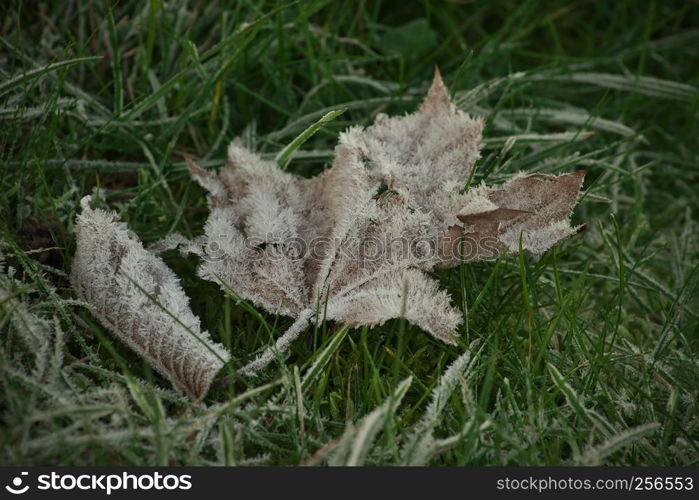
(139,299)
(354,446)
(354,244)
(421,443)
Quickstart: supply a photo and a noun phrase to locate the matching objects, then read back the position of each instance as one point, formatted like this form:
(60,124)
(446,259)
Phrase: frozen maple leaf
(139,299)
(356,242)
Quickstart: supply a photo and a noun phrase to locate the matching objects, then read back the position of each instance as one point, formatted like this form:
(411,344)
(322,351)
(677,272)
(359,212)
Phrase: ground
(586,355)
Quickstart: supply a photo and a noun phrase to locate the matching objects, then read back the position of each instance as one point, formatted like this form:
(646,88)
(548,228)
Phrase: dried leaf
(355,243)
(139,299)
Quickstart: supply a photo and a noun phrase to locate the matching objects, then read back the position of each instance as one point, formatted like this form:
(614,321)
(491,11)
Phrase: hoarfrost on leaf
(139,299)
(355,243)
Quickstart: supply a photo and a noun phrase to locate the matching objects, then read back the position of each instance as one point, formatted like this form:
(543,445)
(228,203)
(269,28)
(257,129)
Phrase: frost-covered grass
(587,355)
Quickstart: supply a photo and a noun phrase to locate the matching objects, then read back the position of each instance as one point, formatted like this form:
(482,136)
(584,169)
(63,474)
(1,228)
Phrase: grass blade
(39,72)
(284,156)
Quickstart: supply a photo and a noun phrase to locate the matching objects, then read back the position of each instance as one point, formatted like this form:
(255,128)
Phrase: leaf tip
(193,168)
(438,95)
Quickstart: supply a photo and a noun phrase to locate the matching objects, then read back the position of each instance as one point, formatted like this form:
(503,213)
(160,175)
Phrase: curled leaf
(139,299)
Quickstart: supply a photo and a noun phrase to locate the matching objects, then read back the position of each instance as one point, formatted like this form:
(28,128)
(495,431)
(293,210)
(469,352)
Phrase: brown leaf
(139,299)
(367,254)
(335,245)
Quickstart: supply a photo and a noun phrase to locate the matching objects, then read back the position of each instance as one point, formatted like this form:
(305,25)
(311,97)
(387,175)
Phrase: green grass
(586,355)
